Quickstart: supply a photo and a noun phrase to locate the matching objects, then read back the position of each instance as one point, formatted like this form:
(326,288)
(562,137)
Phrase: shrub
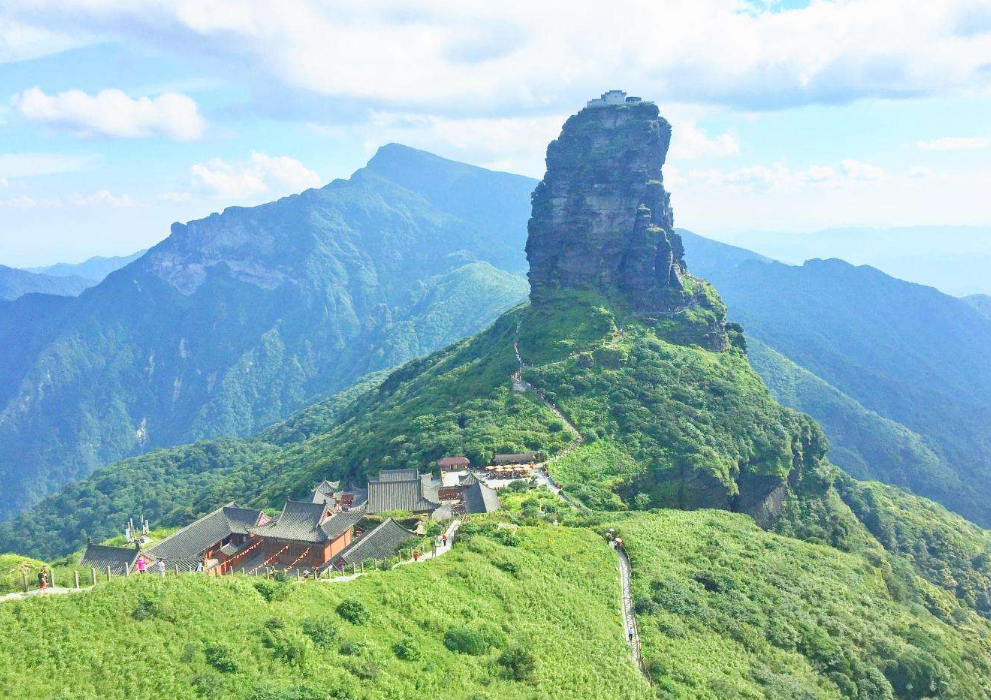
(366,670)
(222,657)
(291,647)
(466,641)
(407,650)
(321,630)
(353,647)
(272,590)
(353,611)
(519,663)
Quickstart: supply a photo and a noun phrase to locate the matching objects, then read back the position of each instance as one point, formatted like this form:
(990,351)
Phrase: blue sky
(116,121)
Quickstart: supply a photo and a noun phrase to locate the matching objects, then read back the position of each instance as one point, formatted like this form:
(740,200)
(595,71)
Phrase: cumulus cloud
(777,177)
(919,172)
(114,113)
(856,170)
(101,198)
(261,175)
(955,143)
(473,57)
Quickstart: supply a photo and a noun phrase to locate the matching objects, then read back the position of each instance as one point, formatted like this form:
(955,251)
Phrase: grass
(552,592)
(727,610)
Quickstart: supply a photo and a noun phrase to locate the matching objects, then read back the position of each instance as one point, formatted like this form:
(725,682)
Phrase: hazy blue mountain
(955,259)
(237,320)
(904,353)
(15,283)
(981,302)
(94,269)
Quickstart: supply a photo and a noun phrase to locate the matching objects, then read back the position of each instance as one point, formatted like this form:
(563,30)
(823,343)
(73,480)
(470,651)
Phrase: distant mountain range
(15,283)
(897,373)
(237,320)
(94,269)
(954,259)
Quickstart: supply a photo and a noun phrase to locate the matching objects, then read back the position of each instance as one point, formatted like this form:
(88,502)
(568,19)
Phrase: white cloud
(175,197)
(14,165)
(689,142)
(777,177)
(101,198)
(919,172)
(3,182)
(29,203)
(114,113)
(955,143)
(856,170)
(262,175)
(474,56)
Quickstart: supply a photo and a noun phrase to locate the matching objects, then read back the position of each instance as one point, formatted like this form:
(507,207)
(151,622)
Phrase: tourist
(161,567)
(141,566)
(199,567)
(43,579)
(443,539)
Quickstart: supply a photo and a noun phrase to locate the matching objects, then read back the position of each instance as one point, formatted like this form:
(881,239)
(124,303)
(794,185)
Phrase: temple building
(120,560)
(306,535)
(403,490)
(380,543)
(213,540)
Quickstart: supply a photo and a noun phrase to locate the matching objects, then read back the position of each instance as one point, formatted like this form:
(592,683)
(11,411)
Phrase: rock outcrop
(601,217)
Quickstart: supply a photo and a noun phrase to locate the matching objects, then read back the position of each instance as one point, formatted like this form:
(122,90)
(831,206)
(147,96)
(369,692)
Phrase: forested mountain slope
(908,353)
(237,320)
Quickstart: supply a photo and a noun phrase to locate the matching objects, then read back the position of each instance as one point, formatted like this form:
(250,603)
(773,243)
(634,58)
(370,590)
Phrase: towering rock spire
(601,217)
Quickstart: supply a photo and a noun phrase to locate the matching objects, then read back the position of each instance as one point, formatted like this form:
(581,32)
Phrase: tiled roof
(480,498)
(308,522)
(398,474)
(380,543)
(325,491)
(413,495)
(453,462)
(516,458)
(196,538)
(100,556)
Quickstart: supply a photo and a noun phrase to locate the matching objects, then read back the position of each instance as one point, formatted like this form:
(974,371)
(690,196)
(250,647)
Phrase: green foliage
(321,630)
(466,641)
(222,657)
(353,610)
(171,352)
(220,639)
(726,609)
(519,662)
(408,650)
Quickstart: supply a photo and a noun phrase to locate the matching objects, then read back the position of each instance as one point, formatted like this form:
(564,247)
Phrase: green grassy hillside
(439,629)
(727,610)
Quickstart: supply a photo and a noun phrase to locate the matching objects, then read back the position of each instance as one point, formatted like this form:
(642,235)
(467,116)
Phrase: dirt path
(39,592)
(632,631)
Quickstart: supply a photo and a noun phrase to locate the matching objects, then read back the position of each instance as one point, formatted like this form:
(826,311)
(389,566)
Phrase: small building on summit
(613,97)
(120,560)
(306,534)
(403,489)
(213,539)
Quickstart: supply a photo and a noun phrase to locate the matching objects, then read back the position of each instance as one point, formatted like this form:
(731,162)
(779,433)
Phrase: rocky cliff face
(601,217)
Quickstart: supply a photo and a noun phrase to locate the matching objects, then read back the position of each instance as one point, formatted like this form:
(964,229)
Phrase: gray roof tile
(192,541)
(100,556)
(380,543)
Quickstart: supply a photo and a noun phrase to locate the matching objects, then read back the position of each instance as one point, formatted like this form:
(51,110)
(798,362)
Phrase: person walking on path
(141,566)
(443,539)
(43,579)
(199,567)
(161,567)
